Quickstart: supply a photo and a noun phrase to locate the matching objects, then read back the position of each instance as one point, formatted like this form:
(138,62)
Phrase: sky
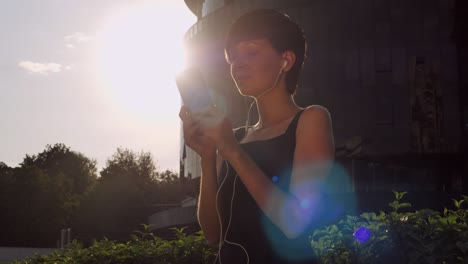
(93,75)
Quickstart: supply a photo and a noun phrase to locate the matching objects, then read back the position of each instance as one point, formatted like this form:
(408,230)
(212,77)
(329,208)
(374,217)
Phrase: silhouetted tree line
(60,188)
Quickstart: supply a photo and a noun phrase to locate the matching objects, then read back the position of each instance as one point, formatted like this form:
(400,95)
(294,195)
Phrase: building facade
(388,71)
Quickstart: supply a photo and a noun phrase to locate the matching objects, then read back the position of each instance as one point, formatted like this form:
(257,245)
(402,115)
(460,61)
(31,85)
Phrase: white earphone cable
(247,123)
(221,239)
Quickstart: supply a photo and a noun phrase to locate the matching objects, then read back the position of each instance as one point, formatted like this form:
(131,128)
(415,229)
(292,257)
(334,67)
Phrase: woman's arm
(313,158)
(206,213)
(292,211)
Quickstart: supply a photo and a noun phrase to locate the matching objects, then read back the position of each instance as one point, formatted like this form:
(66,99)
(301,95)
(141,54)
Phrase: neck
(275,107)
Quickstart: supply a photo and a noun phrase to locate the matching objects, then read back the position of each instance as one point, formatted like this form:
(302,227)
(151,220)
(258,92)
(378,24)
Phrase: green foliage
(43,195)
(58,160)
(128,188)
(422,236)
(143,247)
(126,164)
(59,188)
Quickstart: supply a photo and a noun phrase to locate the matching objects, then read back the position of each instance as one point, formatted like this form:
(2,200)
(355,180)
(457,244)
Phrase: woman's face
(255,65)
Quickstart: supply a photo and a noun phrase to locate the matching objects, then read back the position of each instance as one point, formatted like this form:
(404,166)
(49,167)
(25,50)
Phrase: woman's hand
(218,128)
(193,137)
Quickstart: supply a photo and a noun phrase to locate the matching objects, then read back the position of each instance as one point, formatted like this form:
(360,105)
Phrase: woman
(264,180)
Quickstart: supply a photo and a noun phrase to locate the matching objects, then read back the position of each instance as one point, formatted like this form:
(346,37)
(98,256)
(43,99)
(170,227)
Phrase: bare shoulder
(317,108)
(315,114)
(314,133)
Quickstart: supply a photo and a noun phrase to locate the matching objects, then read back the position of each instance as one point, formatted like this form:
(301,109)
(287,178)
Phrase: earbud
(285,63)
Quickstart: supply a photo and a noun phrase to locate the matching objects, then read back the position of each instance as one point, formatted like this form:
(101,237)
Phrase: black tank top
(250,227)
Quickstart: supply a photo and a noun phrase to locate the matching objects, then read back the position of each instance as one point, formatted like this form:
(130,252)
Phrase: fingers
(191,126)
(191,129)
(194,138)
(209,118)
(185,114)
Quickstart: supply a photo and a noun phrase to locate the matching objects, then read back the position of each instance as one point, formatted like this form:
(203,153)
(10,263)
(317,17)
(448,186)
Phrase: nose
(239,62)
(237,68)
(239,58)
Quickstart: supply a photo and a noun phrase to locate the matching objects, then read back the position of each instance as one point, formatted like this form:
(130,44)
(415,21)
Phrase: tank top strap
(293,125)
(239,132)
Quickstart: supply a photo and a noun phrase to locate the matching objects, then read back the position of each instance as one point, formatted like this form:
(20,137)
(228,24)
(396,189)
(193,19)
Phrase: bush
(423,236)
(143,247)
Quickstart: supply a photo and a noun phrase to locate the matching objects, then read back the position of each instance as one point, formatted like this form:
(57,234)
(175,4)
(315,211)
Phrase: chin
(245,91)
(249,89)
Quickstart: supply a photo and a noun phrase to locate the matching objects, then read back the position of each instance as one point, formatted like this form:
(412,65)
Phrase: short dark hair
(283,33)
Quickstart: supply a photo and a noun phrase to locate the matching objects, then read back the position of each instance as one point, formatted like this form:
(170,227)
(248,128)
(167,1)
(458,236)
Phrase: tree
(6,192)
(6,174)
(116,206)
(60,160)
(167,189)
(140,168)
(43,194)
(38,206)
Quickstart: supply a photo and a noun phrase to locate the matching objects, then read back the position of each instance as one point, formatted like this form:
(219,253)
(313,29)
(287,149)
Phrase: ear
(290,58)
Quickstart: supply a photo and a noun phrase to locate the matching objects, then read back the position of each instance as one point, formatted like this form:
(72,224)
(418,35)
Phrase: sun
(139,51)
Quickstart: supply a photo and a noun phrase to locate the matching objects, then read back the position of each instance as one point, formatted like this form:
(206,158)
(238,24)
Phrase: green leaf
(404,205)
(385,237)
(402,194)
(394,205)
(334,228)
(451,219)
(366,216)
(382,215)
(399,195)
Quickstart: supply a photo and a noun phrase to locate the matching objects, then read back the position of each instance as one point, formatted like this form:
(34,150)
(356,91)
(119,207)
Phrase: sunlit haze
(94,75)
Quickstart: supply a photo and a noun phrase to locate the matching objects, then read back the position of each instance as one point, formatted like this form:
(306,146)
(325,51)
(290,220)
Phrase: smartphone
(196,96)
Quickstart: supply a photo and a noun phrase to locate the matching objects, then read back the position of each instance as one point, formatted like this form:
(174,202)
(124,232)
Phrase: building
(393,74)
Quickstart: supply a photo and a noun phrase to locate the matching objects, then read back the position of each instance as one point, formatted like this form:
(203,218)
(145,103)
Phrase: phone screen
(193,90)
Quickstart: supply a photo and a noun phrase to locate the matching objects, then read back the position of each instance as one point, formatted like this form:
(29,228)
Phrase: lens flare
(322,201)
(362,234)
(338,200)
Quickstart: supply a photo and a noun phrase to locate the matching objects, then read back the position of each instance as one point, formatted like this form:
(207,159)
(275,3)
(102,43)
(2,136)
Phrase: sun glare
(139,51)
